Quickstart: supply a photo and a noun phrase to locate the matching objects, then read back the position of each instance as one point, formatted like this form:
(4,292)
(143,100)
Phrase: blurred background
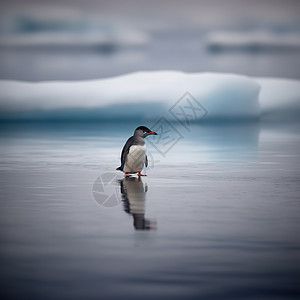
(74,40)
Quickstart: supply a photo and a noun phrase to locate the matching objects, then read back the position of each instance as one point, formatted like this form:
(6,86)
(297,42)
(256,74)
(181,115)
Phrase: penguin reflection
(133,197)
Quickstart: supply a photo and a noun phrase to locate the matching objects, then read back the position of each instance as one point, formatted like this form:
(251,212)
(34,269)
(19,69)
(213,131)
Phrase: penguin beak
(153,133)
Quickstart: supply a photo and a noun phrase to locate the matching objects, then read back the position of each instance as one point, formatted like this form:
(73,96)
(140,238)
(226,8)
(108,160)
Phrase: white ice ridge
(146,95)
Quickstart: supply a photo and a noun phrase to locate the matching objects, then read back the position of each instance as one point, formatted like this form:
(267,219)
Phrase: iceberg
(142,95)
(75,40)
(252,41)
(147,96)
(279,98)
(58,31)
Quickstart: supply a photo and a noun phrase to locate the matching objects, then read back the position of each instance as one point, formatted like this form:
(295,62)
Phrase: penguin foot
(127,174)
(139,174)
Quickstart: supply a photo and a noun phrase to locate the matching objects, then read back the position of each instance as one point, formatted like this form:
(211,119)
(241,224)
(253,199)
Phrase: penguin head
(143,131)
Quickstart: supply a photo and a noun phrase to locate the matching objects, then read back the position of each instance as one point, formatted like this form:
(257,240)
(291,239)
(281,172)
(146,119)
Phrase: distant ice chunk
(252,41)
(48,30)
(137,95)
(95,40)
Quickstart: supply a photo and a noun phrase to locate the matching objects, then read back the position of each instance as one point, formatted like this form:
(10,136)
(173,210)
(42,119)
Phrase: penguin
(133,157)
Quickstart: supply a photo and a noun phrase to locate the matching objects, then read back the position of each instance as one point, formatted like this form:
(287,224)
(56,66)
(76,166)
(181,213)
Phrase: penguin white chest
(135,159)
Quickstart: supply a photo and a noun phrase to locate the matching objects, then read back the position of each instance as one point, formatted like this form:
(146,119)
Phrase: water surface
(217,217)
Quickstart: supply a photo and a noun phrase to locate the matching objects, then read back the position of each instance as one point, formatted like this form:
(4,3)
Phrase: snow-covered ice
(148,95)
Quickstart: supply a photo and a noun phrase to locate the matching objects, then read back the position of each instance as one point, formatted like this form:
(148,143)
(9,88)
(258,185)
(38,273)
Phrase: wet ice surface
(223,207)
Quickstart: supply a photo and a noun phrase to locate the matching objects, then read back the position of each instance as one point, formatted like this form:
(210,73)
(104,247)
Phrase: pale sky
(164,13)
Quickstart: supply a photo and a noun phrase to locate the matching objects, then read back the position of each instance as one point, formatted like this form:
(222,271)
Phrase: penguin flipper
(146,161)
(125,152)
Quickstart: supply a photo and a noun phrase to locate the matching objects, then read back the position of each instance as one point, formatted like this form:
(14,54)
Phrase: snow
(148,95)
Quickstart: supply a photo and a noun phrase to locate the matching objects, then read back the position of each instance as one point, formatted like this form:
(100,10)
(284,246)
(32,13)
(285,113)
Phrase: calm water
(220,212)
